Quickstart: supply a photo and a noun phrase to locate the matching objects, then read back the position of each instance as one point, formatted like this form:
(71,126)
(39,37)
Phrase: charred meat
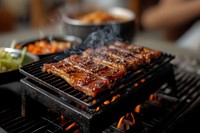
(102,71)
(140,52)
(81,80)
(114,62)
(97,70)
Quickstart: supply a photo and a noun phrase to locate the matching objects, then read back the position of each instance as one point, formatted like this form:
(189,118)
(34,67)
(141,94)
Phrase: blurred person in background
(180,19)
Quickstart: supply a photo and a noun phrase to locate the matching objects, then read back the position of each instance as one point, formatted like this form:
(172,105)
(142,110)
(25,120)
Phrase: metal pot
(125,29)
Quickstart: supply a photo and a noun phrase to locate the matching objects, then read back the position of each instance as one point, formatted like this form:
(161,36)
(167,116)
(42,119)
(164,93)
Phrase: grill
(160,113)
(60,86)
(11,121)
(133,89)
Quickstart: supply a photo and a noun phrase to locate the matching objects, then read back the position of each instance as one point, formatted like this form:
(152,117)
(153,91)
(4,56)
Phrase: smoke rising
(101,38)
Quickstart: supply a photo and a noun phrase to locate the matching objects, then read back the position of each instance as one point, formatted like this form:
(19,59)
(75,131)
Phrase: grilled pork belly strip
(100,70)
(143,53)
(90,84)
(132,61)
(107,60)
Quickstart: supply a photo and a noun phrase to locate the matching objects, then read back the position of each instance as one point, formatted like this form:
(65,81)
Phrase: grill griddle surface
(60,86)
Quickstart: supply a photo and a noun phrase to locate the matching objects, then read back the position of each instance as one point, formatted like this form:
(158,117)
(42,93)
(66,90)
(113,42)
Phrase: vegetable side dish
(9,62)
(44,47)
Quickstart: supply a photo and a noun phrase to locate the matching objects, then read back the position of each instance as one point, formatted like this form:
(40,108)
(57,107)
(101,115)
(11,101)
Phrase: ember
(126,122)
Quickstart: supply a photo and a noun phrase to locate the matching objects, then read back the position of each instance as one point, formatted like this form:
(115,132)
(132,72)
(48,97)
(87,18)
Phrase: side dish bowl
(50,45)
(11,60)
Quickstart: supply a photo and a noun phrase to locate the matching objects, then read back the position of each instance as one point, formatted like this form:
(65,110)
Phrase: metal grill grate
(153,118)
(58,85)
(12,121)
(134,88)
(169,105)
